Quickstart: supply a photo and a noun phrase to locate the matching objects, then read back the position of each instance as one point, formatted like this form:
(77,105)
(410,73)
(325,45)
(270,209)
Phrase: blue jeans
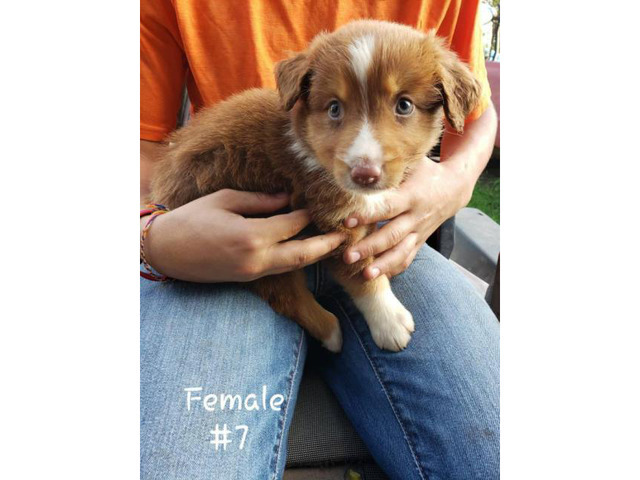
(220,373)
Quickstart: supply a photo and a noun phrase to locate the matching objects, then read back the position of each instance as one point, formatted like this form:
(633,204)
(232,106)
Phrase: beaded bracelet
(154,211)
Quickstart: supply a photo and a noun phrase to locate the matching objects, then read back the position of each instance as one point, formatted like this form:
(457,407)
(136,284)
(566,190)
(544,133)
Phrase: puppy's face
(368,101)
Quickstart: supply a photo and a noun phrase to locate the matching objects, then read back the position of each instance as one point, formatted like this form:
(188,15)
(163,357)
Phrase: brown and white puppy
(353,114)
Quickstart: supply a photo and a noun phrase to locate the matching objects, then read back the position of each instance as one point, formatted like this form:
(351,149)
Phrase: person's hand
(209,239)
(432,193)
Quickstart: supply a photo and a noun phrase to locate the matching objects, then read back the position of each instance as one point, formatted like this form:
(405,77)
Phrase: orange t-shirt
(223,47)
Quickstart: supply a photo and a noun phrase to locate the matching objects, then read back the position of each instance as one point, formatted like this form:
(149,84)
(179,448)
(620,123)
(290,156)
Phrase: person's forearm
(148,157)
(469,153)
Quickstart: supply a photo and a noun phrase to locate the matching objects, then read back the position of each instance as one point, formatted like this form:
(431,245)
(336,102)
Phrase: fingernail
(351,222)
(353,257)
(375,271)
(281,194)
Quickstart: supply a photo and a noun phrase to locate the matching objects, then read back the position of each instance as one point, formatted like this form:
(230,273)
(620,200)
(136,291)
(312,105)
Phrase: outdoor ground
(486,196)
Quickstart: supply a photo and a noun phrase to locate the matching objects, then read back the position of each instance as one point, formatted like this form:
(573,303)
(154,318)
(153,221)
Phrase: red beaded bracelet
(154,211)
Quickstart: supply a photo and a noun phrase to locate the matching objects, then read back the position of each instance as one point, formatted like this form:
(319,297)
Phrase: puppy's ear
(292,79)
(459,88)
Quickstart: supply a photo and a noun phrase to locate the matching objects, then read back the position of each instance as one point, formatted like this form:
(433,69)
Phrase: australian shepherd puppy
(352,115)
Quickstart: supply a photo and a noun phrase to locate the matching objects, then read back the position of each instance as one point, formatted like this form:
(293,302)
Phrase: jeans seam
(283,418)
(386,393)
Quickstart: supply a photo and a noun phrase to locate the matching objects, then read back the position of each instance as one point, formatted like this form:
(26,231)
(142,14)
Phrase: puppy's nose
(365,175)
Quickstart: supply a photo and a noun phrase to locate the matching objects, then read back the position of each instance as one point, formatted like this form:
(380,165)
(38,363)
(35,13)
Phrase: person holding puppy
(416,410)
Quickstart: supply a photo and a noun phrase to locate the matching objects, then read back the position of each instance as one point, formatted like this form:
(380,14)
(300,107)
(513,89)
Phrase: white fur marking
(334,342)
(361,51)
(390,323)
(300,151)
(366,146)
(373,204)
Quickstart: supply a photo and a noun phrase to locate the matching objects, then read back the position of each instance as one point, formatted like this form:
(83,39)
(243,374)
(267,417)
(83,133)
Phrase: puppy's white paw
(334,342)
(394,332)
(391,324)
(406,319)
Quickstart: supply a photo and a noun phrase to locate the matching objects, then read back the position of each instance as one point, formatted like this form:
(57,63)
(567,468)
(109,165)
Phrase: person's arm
(210,240)
(148,156)
(469,153)
(433,193)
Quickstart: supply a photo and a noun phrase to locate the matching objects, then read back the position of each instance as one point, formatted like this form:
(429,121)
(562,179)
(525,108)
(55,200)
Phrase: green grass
(486,195)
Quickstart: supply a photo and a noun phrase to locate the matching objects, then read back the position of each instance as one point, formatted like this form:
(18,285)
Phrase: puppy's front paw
(393,332)
(391,324)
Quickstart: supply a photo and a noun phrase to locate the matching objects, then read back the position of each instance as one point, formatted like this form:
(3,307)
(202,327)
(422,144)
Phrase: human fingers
(381,240)
(279,228)
(296,254)
(381,206)
(393,261)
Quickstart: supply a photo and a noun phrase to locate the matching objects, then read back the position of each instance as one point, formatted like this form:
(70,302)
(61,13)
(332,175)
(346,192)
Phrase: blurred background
(486,196)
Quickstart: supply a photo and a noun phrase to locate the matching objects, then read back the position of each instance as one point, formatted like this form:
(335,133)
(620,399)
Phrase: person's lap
(225,340)
(430,411)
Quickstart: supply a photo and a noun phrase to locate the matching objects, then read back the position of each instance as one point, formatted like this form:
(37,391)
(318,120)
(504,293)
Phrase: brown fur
(245,142)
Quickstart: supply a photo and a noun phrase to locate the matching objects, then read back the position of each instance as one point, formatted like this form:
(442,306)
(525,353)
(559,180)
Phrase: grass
(486,195)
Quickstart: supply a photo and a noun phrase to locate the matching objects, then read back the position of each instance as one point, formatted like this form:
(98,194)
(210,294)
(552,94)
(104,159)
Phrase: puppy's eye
(335,110)
(404,107)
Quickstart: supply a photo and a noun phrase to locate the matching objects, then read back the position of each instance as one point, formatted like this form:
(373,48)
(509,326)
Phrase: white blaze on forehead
(364,147)
(361,51)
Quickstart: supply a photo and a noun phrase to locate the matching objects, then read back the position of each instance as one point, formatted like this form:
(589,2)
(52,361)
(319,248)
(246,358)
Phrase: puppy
(352,115)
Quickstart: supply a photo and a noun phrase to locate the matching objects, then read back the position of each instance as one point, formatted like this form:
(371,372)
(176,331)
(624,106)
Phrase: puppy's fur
(260,140)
